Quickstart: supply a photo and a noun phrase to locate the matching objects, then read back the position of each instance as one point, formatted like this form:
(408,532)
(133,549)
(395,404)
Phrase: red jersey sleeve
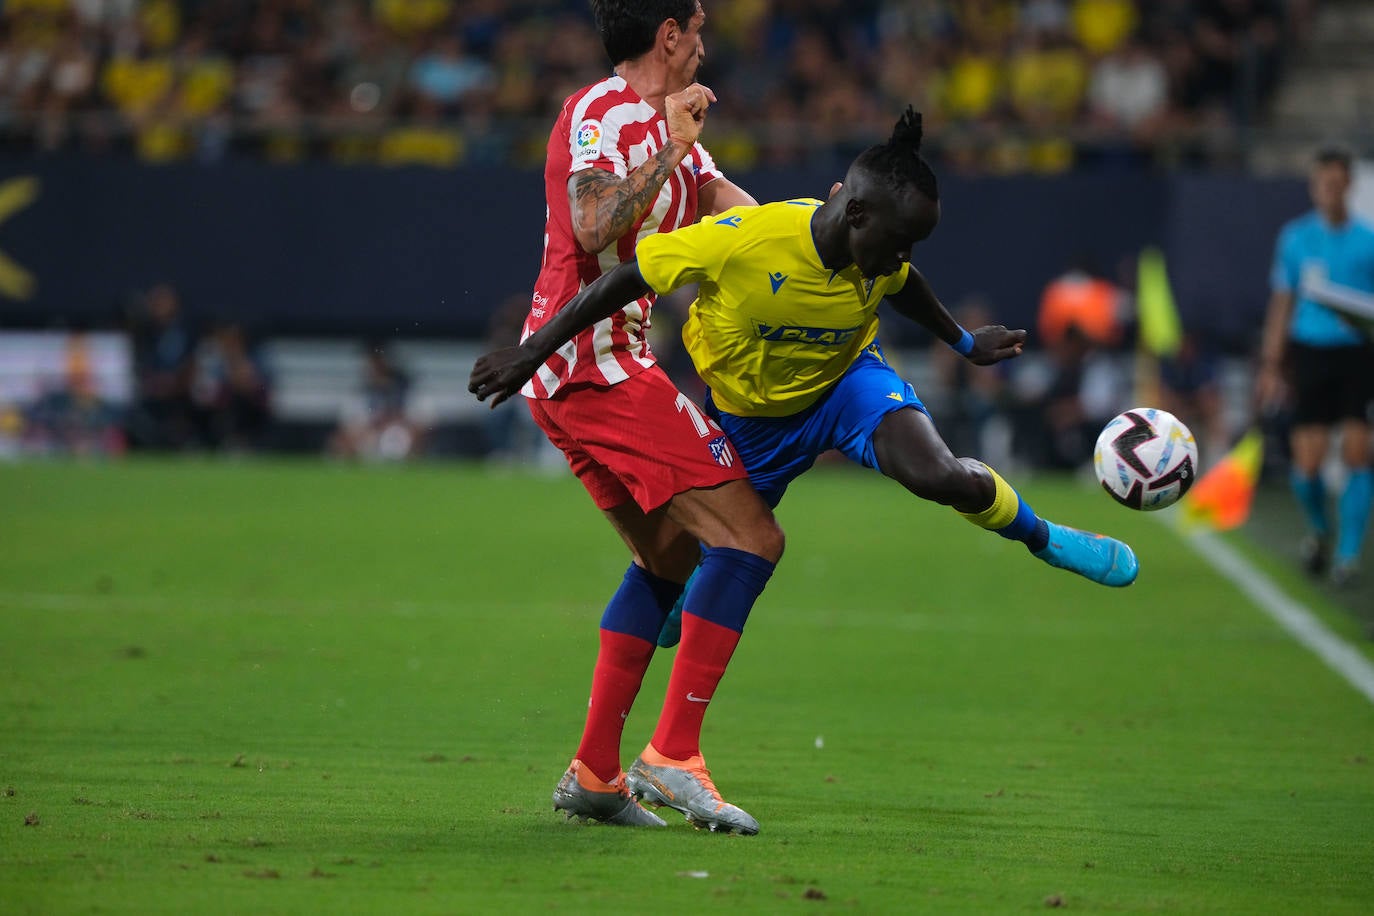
(706,170)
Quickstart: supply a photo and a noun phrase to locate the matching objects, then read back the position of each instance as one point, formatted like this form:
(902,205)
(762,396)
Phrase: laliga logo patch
(588,139)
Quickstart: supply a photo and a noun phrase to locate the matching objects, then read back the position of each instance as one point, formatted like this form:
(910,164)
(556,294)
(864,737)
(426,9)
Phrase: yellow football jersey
(772,328)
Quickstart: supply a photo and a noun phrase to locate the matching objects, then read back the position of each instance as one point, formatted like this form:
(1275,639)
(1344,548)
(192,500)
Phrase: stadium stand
(1036,85)
(1008,87)
(319,382)
(1327,92)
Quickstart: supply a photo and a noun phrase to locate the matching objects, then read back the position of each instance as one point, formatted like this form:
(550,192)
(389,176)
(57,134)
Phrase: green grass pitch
(287,688)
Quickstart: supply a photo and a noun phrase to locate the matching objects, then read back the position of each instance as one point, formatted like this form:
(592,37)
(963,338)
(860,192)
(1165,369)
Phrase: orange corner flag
(1221,498)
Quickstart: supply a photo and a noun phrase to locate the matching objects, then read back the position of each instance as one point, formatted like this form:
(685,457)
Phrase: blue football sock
(640,605)
(725,586)
(1311,495)
(1355,504)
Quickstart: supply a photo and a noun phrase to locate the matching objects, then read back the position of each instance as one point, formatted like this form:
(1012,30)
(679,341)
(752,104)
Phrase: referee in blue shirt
(1324,266)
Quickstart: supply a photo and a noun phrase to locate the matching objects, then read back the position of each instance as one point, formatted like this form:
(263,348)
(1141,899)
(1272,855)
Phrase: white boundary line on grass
(1294,617)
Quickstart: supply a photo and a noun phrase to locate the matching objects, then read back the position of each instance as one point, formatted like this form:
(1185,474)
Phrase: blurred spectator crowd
(170,382)
(158,385)
(1007,86)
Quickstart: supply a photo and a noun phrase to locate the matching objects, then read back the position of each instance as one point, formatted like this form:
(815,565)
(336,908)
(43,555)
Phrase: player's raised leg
(910,451)
(743,545)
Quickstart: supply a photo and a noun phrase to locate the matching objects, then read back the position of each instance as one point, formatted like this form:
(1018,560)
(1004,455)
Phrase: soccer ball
(1145,458)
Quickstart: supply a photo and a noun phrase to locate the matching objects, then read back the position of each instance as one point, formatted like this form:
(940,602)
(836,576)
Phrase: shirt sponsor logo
(796,333)
(538,305)
(588,140)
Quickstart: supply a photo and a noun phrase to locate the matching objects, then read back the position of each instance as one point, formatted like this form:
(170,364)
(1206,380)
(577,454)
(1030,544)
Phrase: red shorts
(641,439)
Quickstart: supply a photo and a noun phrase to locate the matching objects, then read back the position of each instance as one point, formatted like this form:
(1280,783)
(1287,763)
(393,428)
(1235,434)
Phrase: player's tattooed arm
(605,206)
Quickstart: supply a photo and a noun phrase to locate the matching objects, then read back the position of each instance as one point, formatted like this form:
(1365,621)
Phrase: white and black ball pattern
(1146,458)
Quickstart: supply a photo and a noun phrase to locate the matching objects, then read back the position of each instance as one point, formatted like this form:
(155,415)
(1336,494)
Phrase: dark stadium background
(337,179)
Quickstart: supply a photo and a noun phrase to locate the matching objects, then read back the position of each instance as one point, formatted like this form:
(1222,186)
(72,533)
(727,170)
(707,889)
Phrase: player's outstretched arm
(501,373)
(985,346)
(605,206)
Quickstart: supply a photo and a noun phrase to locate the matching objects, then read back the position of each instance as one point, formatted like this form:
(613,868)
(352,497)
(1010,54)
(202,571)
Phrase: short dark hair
(1334,155)
(628,27)
(898,161)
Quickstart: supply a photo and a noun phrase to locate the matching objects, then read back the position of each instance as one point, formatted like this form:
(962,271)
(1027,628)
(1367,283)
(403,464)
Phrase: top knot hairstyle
(628,27)
(898,162)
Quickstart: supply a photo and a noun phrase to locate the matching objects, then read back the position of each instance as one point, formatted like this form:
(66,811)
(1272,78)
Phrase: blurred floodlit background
(289,226)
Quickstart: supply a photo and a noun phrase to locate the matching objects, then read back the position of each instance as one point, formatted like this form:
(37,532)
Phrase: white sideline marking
(1304,626)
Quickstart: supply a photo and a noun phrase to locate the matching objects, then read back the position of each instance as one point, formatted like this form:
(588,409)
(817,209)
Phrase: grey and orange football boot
(580,794)
(686,786)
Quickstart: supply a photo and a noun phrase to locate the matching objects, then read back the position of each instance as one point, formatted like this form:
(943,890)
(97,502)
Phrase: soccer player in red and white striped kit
(623,162)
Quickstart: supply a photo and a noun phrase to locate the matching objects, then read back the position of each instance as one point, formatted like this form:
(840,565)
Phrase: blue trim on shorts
(778,450)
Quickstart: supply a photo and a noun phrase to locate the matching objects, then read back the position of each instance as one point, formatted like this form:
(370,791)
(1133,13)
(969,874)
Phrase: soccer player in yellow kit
(784,333)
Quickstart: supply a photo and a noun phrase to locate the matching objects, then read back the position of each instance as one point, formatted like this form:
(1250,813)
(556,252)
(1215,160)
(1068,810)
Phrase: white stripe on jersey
(546,376)
(622,116)
(609,258)
(643,150)
(708,165)
(655,217)
(569,353)
(679,197)
(616,117)
(644,361)
(579,114)
(606,362)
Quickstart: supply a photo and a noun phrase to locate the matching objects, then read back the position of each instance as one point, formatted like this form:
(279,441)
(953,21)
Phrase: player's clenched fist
(994,343)
(499,374)
(685,112)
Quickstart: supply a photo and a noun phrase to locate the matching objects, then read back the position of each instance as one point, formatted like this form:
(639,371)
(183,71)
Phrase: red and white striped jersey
(604,126)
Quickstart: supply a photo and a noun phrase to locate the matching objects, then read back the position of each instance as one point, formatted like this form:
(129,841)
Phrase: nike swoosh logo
(692,699)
